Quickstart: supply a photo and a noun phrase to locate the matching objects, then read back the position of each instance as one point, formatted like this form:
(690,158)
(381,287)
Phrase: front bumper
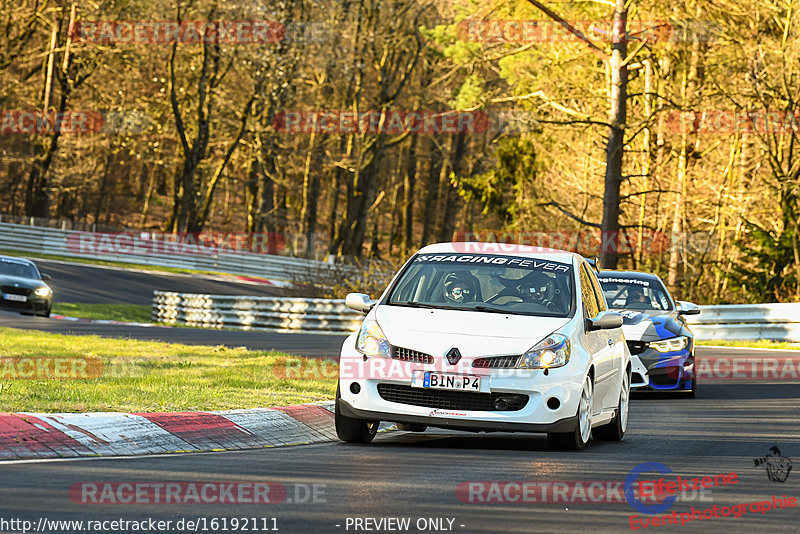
(669,371)
(32,305)
(551,405)
(564,425)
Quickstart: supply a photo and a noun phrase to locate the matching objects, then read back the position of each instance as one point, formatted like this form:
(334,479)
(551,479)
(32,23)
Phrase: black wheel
(45,313)
(614,430)
(411,427)
(353,430)
(578,438)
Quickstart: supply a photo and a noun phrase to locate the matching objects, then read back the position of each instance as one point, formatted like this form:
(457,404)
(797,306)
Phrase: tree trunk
(409,184)
(616,138)
(435,163)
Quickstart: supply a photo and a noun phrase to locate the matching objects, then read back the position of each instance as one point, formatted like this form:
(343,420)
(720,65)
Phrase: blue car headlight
(552,351)
(371,341)
(672,344)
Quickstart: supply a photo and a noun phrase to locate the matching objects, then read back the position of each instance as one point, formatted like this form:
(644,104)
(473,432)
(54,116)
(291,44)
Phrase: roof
(16,260)
(500,249)
(635,275)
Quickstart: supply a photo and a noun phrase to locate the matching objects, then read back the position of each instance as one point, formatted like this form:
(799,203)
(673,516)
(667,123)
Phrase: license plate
(431,380)
(16,298)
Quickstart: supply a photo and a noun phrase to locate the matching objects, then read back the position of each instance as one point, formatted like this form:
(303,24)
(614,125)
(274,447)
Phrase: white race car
(487,337)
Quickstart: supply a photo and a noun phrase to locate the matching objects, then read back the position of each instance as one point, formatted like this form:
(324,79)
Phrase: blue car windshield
(486,283)
(634,293)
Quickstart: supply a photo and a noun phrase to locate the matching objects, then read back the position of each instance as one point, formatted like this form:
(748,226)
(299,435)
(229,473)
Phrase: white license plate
(16,298)
(431,380)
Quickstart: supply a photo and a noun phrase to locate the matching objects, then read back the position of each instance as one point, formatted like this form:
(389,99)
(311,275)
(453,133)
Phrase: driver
(460,287)
(636,296)
(533,288)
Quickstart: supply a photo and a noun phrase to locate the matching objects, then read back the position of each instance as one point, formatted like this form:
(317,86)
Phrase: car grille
(15,290)
(451,400)
(497,362)
(664,376)
(408,355)
(637,347)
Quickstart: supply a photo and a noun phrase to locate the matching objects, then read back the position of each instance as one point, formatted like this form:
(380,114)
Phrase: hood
(649,325)
(29,283)
(473,333)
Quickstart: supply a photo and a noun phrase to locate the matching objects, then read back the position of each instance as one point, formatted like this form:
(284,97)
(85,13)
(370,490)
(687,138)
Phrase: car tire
(353,430)
(615,430)
(578,438)
(411,427)
(45,313)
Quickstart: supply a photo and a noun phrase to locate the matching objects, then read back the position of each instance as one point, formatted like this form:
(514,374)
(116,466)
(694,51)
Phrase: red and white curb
(70,435)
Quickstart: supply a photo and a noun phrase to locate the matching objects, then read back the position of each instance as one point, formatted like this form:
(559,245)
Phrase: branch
(570,214)
(596,50)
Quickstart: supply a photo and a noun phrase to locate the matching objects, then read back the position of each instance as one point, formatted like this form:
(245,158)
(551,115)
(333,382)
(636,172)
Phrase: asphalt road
(416,475)
(75,282)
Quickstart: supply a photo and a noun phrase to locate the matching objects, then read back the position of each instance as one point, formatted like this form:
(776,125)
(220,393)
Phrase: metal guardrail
(323,316)
(44,240)
(779,322)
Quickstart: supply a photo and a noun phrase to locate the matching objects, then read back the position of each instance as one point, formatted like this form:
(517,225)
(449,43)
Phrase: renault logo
(453,355)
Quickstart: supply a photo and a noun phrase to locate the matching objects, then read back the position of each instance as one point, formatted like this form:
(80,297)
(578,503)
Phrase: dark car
(23,288)
(661,345)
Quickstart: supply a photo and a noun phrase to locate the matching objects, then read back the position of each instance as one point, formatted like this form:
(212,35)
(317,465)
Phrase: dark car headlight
(43,291)
(672,344)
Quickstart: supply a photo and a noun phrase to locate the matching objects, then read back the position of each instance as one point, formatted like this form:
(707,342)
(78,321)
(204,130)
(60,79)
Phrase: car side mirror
(688,308)
(359,302)
(46,277)
(604,321)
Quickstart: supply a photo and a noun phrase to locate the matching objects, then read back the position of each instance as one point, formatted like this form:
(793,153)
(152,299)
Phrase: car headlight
(372,342)
(553,351)
(42,292)
(669,345)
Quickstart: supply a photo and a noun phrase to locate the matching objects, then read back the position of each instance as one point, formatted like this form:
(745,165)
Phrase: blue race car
(661,345)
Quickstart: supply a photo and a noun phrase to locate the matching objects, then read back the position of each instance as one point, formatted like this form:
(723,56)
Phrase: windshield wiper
(491,309)
(414,304)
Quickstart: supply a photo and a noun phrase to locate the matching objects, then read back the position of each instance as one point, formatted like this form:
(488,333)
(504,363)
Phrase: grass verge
(144,376)
(130,313)
(760,344)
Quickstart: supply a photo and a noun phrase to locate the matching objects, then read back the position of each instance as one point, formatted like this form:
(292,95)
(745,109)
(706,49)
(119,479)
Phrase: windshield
(634,293)
(18,268)
(487,283)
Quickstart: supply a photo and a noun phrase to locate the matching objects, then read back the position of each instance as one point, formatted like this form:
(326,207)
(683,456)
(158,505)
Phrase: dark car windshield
(18,268)
(486,283)
(634,293)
